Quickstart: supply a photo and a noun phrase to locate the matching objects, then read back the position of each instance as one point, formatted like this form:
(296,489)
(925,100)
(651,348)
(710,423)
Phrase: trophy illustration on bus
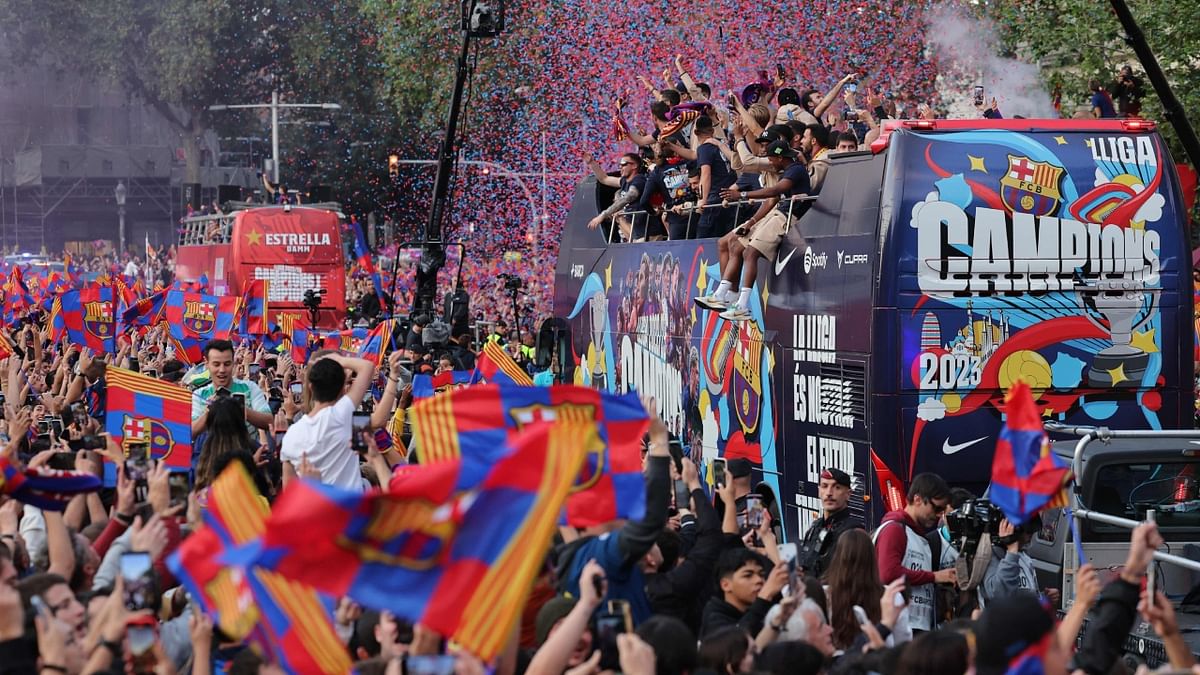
(1119,301)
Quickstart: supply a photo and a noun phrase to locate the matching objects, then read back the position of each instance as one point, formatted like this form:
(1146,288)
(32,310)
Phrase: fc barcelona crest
(199,317)
(146,430)
(1031,187)
(747,384)
(98,319)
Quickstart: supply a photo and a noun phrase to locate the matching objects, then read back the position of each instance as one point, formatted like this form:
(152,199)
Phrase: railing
(202,230)
(1104,434)
(693,209)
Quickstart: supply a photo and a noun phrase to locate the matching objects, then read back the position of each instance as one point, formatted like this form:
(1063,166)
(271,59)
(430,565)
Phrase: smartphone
(43,426)
(860,615)
(93,442)
(41,443)
(614,620)
(151,372)
(296,388)
(134,365)
(241,399)
(178,485)
(852,87)
(754,511)
(277,383)
(40,607)
(137,571)
(56,426)
(795,578)
(137,462)
(683,498)
(254,368)
(430,664)
(141,648)
(62,461)
(850,116)
(978,94)
(359,422)
(718,472)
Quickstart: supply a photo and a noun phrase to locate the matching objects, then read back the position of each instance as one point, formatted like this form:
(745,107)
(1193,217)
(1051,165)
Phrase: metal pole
(1087,514)
(275,137)
(537,231)
(121,227)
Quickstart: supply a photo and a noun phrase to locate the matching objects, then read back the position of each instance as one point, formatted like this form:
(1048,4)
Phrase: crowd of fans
(700,584)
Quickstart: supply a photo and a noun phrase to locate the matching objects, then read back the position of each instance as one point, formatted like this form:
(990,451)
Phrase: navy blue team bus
(935,269)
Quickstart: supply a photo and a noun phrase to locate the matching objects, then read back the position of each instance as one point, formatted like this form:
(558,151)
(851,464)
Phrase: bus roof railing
(691,209)
(217,228)
(1089,434)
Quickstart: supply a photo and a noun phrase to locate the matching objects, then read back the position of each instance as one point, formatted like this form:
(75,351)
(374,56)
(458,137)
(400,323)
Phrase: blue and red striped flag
(17,298)
(142,409)
(196,318)
(477,419)
(86,317)
(287,622)
(494,365)
(255,308)
(145,312)
(425,386)
(378,342)
(454,546)
(1026,475)
(363,254)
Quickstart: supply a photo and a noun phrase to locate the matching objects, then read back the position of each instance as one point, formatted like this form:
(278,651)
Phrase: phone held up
(614,620)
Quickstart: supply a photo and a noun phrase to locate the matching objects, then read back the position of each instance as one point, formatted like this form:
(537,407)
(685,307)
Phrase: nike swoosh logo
(949,449)
(780,264)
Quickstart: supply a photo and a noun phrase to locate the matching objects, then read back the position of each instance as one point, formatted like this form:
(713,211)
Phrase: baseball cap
(780,149)
(1009,627)
(551,613)
(838,475)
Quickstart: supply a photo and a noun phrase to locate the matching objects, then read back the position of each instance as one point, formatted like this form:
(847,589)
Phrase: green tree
(1073,41)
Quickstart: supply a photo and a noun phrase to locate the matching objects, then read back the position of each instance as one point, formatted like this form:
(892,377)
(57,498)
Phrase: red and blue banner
(255,308)
(363,254)
(145,312)
(42,487)
(1026,475)
(86,317)
(287,622)
(425,386)
(494,365)
(195,318)
(477,420)
(454,545)
(378,342)
(141,409)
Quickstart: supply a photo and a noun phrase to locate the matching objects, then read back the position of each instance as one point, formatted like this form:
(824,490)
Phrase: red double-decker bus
(297,248)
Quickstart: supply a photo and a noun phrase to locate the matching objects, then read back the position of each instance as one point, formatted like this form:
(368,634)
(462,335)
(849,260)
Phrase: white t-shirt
(131,269)
(325,437)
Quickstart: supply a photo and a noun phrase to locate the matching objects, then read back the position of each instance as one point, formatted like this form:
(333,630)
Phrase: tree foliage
(1075,40)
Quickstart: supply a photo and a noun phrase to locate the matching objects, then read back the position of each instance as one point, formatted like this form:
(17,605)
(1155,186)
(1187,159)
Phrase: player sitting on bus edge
(759,236)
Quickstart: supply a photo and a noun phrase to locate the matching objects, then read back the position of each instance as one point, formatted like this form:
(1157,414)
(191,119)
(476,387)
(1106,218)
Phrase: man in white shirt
(131,268)
(322,437)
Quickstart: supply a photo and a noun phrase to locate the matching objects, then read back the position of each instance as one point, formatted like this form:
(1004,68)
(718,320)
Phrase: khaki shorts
(767,234)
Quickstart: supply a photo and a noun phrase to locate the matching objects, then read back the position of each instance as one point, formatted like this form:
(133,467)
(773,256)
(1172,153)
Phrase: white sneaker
(736,313)
(712,303)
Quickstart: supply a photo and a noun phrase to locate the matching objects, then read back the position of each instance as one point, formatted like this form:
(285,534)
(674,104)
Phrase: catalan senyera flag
(196,318)
(494,365)
(142,409)
(1026,475)
(286,621)
(477,420)
(6,346)
(86,317)
(454,546)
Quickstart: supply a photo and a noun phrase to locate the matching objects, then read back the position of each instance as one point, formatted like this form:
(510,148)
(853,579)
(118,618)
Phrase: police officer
(816,549)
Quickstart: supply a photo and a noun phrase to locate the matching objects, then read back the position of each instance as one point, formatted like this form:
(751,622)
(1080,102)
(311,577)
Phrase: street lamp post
(120,194)
(274,106)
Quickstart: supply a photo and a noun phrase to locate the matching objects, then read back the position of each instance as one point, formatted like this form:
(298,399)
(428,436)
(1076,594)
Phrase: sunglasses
(624,163)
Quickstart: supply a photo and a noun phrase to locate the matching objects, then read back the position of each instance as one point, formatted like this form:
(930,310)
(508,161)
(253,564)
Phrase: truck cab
(1124,477)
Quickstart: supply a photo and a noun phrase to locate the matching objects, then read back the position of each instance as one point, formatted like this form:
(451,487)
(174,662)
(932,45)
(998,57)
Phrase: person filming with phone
(320,442)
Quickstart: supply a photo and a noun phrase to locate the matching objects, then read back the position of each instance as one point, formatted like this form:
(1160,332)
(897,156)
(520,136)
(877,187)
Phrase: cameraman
(816,550)
(1011,571)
